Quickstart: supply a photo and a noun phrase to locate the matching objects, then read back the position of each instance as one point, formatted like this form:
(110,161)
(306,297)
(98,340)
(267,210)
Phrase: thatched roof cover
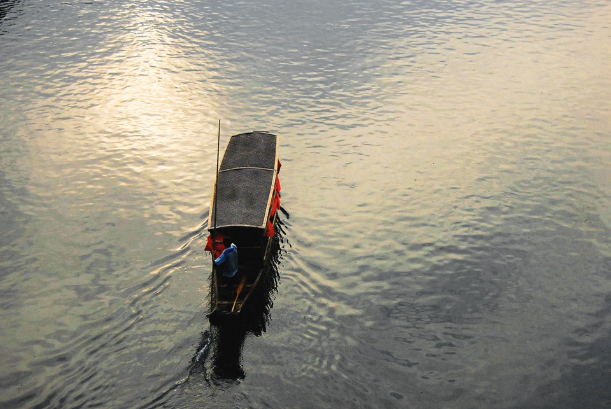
(245,182)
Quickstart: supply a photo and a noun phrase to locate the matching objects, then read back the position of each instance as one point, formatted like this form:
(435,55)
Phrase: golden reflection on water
(125,138)
(139,105)
(149,88)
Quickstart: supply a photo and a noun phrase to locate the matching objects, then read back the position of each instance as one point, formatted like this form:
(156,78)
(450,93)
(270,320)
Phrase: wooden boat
(244,204)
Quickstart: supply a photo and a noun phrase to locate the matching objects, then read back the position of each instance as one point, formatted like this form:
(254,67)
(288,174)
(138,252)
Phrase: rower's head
(227,242)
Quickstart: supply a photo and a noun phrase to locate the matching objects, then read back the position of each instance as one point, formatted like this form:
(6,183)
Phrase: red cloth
(269,231)
(275,205)
(218,247)
(275,197)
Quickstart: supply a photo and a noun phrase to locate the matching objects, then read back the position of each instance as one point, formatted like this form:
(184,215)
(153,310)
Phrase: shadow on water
(219,354)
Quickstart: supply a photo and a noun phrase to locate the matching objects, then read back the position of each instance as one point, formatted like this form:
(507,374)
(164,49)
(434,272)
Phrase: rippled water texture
(446,167)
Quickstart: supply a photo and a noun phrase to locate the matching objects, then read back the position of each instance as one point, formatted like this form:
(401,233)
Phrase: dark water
(446,167)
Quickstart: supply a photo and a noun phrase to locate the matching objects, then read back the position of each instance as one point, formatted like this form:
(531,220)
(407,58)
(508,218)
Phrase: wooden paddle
(239,291)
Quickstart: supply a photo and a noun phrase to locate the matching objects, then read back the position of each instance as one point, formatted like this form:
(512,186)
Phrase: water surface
(446,167)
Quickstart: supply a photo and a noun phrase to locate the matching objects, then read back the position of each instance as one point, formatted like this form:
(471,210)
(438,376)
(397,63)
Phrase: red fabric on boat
(219,245)
(276,197)
(269,231)
(275,205)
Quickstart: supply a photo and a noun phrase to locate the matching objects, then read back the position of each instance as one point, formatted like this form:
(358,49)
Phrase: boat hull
(245,201)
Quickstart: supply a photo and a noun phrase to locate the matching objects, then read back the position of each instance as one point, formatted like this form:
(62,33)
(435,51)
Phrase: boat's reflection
(219,354)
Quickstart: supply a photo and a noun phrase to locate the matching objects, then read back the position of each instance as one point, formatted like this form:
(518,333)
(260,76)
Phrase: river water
(446,168)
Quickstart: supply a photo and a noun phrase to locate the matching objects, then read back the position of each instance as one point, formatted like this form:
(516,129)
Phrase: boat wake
(218,355)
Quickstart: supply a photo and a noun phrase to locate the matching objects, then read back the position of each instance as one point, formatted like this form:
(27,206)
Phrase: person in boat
(228,261)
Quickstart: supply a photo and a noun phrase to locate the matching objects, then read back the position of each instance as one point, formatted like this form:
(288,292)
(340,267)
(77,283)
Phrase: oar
(239,291)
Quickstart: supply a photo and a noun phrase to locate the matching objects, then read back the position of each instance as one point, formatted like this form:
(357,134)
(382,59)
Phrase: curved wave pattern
(83,363)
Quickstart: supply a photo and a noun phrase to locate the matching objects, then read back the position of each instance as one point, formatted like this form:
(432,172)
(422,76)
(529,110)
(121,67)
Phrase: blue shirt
(229,261)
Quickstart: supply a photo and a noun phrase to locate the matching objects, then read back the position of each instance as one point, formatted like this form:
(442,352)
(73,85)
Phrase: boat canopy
(246,180)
